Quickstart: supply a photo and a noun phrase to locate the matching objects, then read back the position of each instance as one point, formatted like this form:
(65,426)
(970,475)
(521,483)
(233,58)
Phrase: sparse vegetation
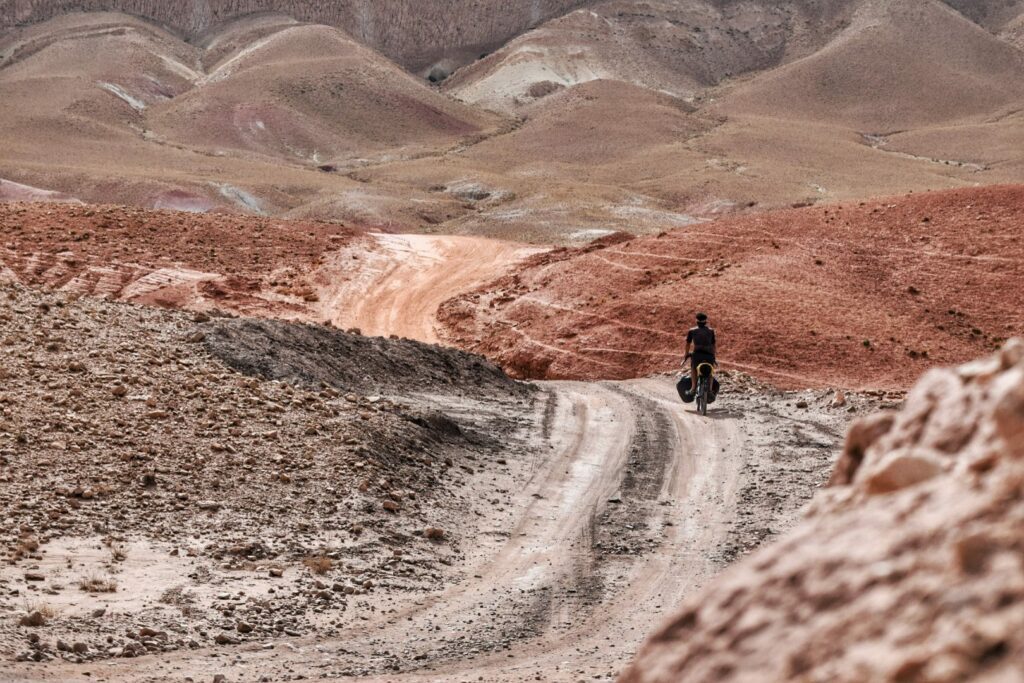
(48,611)
(25,546)
(98,584)
(118,551)
(319,564)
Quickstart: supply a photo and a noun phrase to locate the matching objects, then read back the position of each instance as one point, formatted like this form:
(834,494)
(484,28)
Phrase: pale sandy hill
(111,108)
(221,43)
(610,121)
(680,48)
(313,94)
(898,65)
(994,15)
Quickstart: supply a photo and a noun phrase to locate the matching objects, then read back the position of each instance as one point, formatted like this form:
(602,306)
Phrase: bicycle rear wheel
(702,397)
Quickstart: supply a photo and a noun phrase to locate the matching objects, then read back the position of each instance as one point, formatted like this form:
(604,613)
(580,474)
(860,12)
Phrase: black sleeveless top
(703,339)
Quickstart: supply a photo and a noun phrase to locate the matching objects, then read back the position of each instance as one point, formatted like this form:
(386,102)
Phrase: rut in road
(606,536)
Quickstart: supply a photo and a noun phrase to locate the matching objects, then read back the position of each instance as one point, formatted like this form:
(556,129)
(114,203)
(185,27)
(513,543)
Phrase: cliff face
(909,568)
(415,33)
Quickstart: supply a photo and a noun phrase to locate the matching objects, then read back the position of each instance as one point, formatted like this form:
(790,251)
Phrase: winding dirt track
(614,525)
(410,276)
(622,504)
(580,580)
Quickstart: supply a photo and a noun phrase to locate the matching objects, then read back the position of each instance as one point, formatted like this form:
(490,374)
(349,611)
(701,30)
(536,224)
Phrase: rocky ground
(168,258)
(202,494)
(910,567)
(154,499)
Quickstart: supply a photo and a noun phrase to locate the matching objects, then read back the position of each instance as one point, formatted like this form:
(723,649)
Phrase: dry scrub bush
(319,564)
(98,584)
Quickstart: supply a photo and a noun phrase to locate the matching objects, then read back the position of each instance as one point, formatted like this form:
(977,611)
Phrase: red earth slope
(861,295)
(257,266)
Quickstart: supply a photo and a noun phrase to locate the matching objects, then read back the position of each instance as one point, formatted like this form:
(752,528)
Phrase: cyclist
(700,348)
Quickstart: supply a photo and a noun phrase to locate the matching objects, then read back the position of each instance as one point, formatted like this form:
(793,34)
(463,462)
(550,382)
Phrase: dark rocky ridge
(314,356)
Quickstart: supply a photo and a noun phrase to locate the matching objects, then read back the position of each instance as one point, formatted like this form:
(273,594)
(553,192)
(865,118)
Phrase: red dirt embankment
(243,263)
(861,294)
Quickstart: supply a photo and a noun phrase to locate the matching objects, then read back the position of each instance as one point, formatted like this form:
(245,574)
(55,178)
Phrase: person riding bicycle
(700,348)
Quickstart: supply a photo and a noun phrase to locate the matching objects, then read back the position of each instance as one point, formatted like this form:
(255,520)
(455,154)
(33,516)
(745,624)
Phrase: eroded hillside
(864,294)
(413,33)
(616,115)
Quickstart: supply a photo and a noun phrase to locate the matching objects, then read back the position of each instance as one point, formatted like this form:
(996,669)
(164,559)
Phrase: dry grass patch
(319,564)
(25,547)
(118,551)
(98,584)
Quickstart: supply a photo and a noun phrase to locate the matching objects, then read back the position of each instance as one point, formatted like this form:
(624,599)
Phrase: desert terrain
(341,340)
(551,125)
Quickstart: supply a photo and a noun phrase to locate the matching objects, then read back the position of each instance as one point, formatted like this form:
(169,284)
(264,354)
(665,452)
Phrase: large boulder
(908,567)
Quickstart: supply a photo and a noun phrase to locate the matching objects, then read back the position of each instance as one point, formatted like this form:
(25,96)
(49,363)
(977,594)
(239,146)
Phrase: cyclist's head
(702,319)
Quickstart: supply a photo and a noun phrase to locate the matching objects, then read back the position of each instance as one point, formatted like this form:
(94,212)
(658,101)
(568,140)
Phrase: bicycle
(705,382)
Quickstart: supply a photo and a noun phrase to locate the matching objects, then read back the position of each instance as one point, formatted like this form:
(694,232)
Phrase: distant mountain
(553,120)
(415,33)
(896,66)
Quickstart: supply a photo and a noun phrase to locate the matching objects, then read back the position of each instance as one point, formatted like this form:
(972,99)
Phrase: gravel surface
(155,500)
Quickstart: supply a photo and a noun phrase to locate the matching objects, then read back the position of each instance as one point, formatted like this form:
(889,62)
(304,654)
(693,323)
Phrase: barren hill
(414,33)
(994,15)
(618,115)
(680,48)
(312,94)
(864,294)
(116,109)
(896,66)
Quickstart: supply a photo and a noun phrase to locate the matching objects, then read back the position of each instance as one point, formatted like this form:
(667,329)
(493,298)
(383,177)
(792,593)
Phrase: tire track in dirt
(546,591)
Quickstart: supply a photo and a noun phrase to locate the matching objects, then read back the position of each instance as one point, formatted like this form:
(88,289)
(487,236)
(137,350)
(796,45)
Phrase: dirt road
(618,503)
(399,286)
(615,514)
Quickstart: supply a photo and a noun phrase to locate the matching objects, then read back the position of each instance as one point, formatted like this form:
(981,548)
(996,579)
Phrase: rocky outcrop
(413,32)
(909,567)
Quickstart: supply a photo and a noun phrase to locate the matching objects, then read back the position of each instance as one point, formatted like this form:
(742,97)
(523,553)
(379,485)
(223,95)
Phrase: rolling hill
(866,294)
(595,117)
(414,33)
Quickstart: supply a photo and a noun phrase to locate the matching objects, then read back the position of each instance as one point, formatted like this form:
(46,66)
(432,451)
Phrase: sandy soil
(401,282)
